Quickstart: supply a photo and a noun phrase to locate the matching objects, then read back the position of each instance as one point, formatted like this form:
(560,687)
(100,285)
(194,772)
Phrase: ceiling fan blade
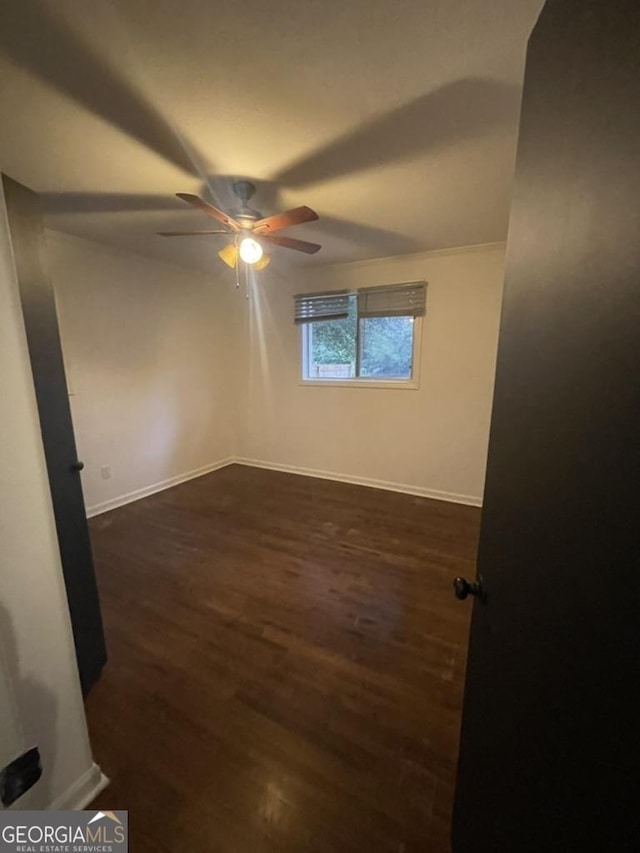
(291,243)
(187,233)
(210,210)
(285,220)
(229,255)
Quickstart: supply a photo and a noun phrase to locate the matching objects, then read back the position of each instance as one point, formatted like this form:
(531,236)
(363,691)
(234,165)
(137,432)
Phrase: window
(369,337)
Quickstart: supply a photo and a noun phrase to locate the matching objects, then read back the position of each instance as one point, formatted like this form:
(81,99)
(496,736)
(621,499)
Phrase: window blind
(313,307)
(393,300)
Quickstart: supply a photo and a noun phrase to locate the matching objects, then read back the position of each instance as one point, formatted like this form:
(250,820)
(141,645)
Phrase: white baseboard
(138,494)
(404,488)
(83,791)
(419,491)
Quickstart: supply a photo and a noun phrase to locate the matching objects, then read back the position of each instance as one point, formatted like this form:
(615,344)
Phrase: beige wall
(150,356)
(40,695)
(173,372)
(432,440)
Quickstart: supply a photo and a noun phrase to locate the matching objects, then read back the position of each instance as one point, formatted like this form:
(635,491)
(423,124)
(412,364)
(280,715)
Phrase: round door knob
(462,588)
(77,466)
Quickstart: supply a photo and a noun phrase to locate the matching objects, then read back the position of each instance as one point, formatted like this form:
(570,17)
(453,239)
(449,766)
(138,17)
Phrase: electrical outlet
(106,472)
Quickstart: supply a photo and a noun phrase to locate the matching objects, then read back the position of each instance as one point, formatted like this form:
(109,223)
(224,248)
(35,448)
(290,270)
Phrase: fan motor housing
(246,215)
(245,190)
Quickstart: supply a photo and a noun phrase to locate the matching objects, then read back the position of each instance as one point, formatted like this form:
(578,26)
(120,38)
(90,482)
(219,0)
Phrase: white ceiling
(395,119)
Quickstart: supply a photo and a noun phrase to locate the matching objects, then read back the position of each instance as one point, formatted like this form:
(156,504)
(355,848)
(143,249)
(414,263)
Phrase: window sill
(396,385)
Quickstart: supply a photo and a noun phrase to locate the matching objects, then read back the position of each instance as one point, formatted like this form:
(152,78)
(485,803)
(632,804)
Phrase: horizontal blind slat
(314,307)
(395,300)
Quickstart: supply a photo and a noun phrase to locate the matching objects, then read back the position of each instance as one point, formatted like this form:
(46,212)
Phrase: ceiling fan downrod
(244,190)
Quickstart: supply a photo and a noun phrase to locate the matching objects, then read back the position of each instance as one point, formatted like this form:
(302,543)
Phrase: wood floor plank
(286,665)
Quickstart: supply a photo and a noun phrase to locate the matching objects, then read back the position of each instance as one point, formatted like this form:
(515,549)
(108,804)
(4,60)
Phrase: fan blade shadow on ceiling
(72,202)
(215,187)
(37,40)
(456,112)
(367,237)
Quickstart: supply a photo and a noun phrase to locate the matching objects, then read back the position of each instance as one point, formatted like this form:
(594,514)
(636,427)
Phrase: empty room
(318,446)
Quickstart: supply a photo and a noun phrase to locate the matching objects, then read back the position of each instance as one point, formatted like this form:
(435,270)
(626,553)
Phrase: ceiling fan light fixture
(245,222)
(229,255)
(262,263)
(251,251)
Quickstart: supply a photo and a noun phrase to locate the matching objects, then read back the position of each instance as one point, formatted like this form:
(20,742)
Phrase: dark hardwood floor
(286,665)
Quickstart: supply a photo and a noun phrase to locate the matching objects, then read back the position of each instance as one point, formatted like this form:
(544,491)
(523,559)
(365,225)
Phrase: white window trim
(412,384)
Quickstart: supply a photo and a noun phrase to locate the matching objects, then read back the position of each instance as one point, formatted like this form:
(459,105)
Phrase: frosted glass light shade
(250,250)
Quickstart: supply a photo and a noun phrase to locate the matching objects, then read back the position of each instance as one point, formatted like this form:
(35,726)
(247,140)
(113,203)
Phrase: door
(550,743)
(45,353)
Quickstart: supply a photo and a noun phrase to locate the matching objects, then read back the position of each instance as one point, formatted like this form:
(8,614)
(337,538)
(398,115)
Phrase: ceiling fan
(249,229)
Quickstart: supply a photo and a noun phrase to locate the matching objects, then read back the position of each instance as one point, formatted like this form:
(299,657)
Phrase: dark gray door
(41,325)
(550,749)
